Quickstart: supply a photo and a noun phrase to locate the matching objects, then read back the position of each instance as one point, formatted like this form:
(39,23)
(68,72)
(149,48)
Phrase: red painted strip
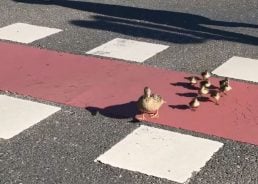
(111,86)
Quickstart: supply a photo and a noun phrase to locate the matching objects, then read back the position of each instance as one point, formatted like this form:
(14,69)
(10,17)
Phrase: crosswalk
(25,33)
(161,153)
(239,68)
(26,113)
(100,79)
(128,50)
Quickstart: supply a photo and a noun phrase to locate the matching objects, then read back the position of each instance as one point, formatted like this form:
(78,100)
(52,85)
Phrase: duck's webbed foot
(142,118)
(155,115)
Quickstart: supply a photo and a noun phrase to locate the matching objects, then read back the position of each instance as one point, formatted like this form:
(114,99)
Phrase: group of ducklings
(150,103)
(205,83)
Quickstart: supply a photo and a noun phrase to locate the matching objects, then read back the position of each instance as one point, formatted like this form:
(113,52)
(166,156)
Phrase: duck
(194,103)
(203,90)
(206,74)
(216,96)
(192,80)
(149,103)
(225,88)
(224,82)
(205,83)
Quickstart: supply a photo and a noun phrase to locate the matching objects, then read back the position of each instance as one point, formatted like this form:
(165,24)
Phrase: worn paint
(130,50)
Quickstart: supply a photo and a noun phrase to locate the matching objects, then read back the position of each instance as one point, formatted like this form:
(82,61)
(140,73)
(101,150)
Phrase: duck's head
(227,81)
(193,79)
(202,85)
(215,93)
(195,99)
(147,92)
(206,74)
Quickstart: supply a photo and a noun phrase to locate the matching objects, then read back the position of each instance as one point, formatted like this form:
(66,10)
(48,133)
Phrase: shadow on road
(161,25)
(120,111)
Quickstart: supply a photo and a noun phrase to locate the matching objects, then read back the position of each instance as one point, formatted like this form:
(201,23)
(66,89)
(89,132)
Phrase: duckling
(150,103)
(224,82)
(225,88)
(205,83)
(203,90)
(216,96)
(206,74)
(194,103)
(192,80)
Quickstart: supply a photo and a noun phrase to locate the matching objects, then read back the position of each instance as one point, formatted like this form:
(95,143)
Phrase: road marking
(112,87)
(17,115)
(128,50)
(25,33)
(239,68)
(161,153)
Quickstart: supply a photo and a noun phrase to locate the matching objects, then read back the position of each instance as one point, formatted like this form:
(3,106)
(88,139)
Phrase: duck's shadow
(187,94)
(180,107)
(196,77)
(184,106)
(213,87)
(200,98)
(204,99)
(120,111)
(186,85)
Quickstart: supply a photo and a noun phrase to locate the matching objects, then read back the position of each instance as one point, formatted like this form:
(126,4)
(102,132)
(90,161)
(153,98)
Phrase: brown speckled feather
(150,104)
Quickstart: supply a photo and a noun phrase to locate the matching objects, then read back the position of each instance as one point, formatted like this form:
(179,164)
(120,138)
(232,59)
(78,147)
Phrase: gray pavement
(201,34)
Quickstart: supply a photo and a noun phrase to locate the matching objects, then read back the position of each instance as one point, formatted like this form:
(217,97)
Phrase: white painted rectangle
(17,115)
(25,33)
(161,153)
(128,50)
(239,68)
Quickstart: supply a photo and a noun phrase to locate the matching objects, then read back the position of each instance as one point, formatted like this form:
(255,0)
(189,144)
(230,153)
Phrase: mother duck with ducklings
(149,104)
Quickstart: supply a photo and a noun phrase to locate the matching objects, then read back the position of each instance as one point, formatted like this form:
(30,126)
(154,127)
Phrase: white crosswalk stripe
(25,33)
(130,50)
(17,115)
(161,153)
(239,68)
